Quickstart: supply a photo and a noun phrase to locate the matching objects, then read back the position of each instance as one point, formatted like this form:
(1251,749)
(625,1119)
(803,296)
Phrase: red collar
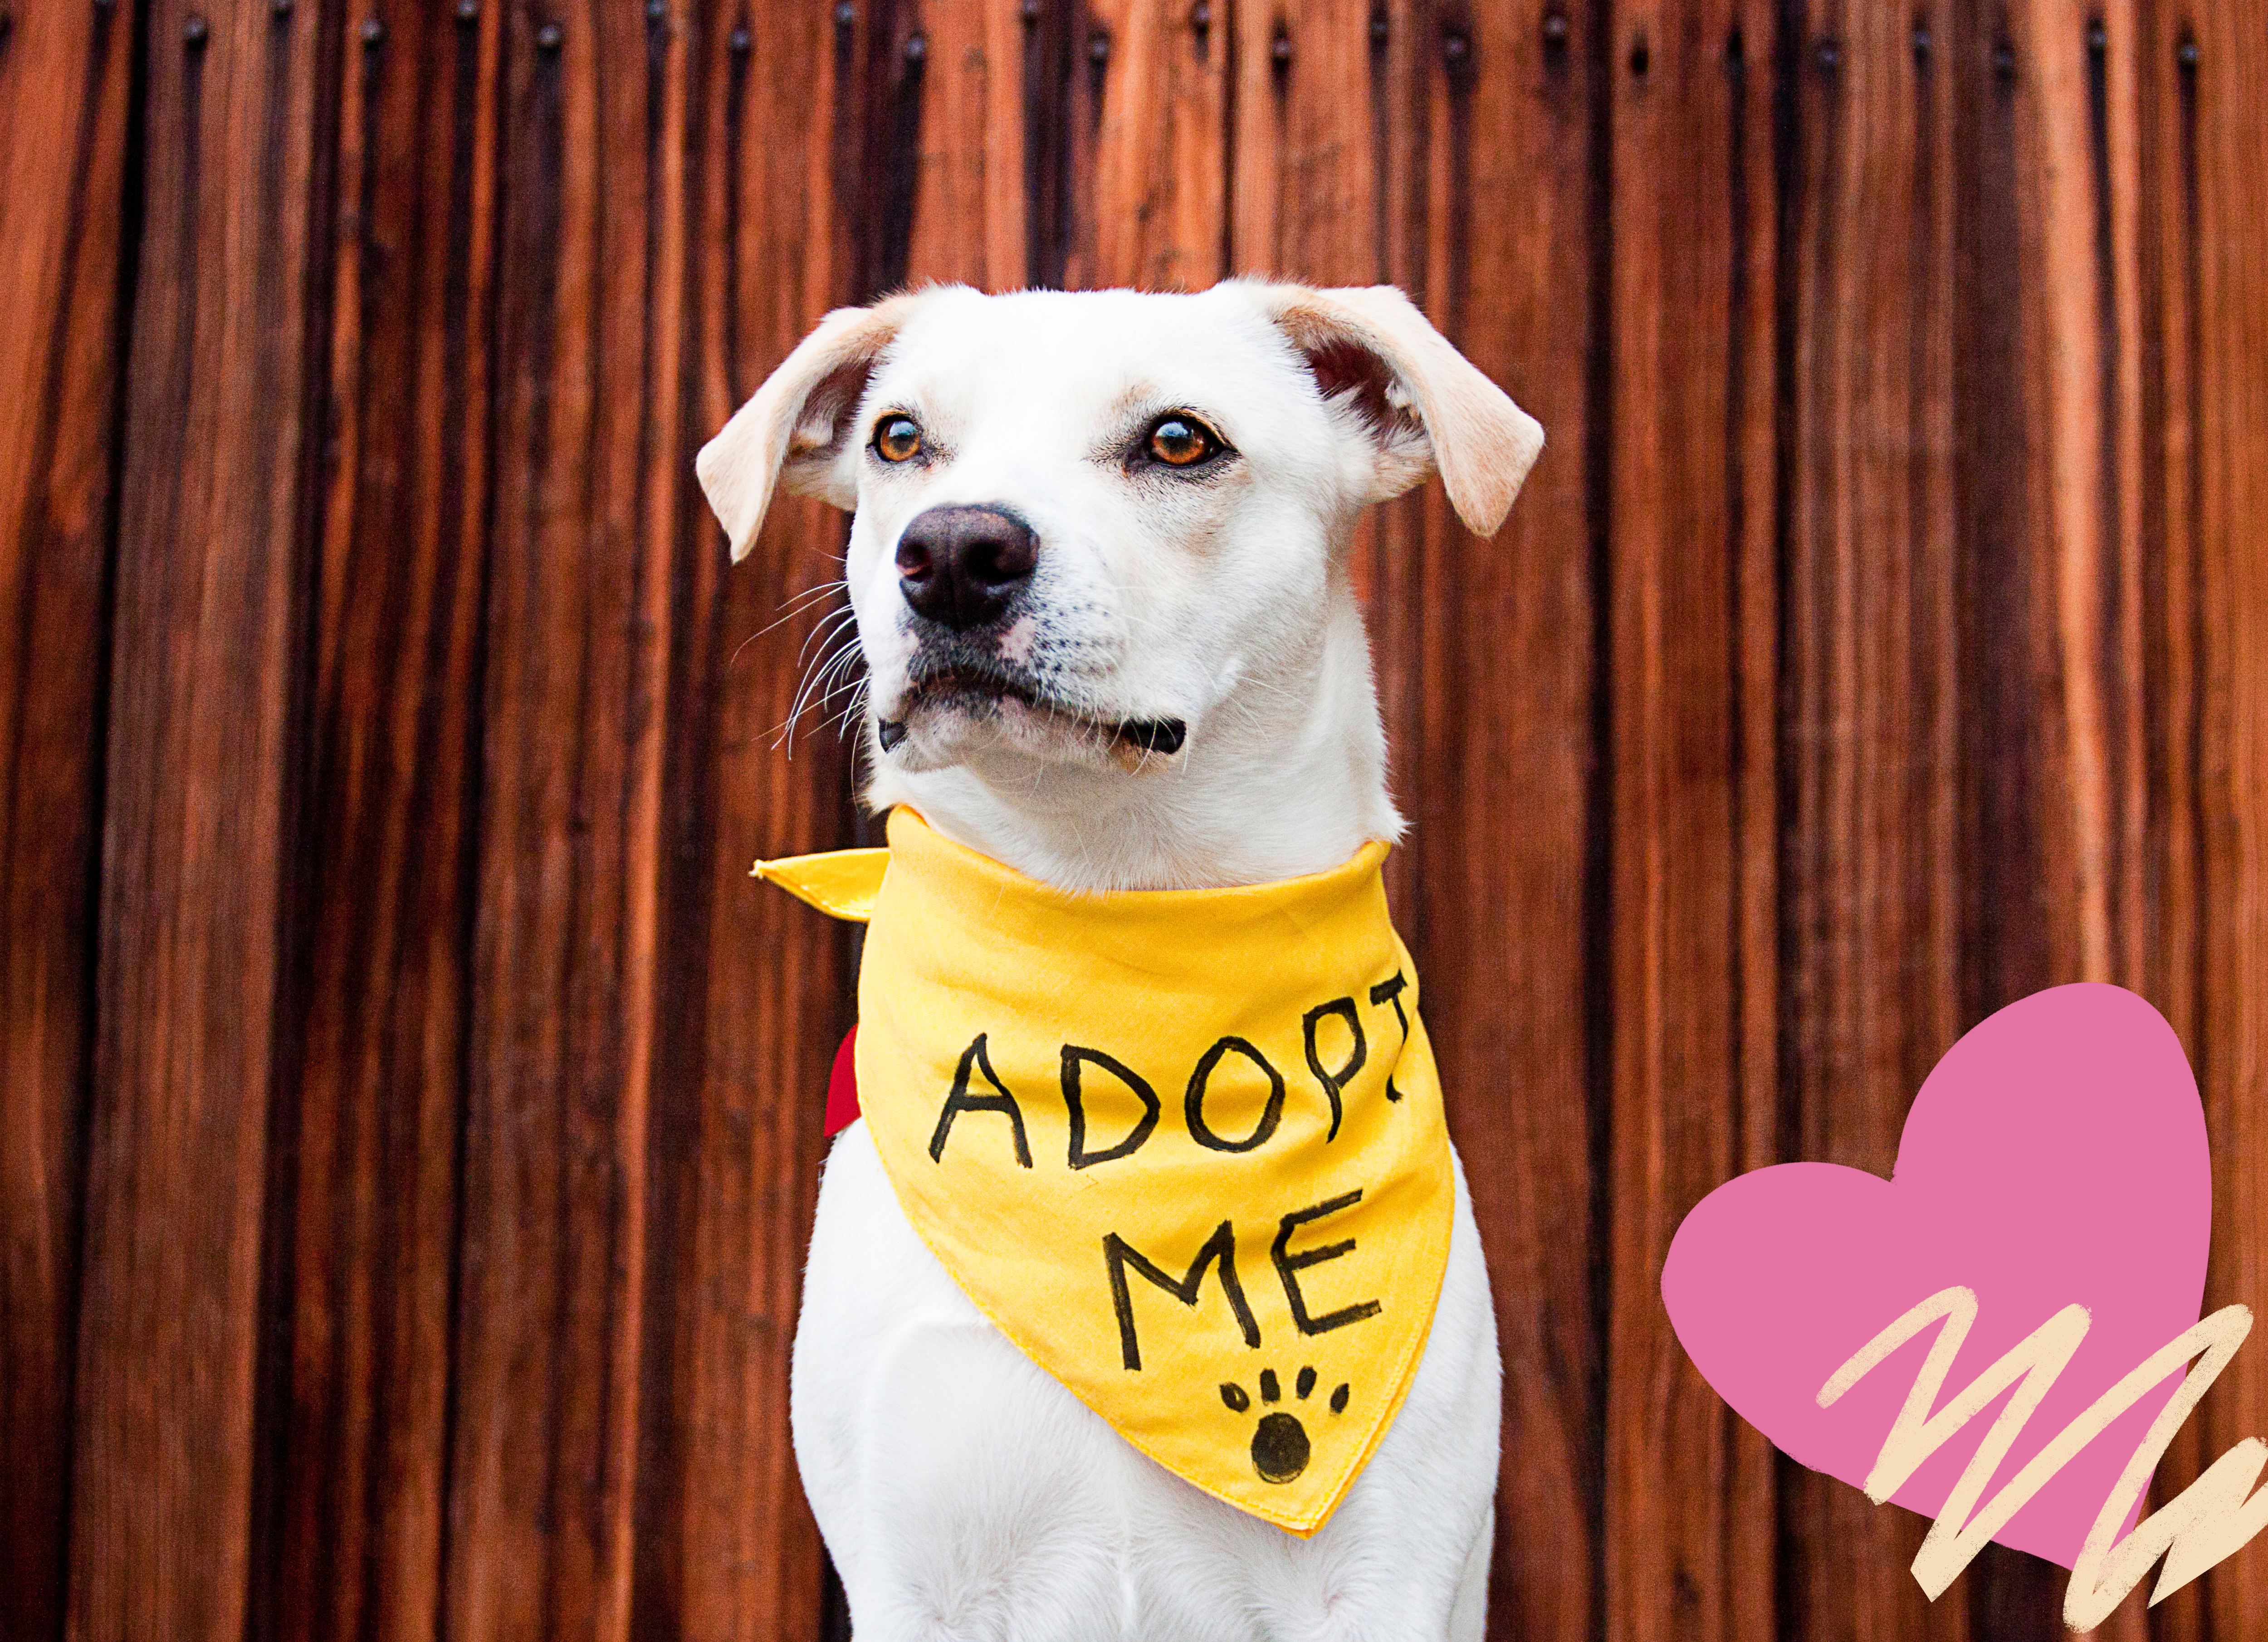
(843,1087)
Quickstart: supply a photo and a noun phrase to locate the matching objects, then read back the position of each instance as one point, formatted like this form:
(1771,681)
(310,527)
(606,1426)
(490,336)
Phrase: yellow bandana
(1184,1148)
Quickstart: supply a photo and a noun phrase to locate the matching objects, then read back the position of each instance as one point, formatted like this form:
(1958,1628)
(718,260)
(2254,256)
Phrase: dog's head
(1089,525)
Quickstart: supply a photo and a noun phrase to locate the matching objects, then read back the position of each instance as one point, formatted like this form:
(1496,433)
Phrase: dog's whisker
(833,645)
(803,601)
(819,628)
(813,688)
(854,714)
(837,672)
(825,630)
(796,605)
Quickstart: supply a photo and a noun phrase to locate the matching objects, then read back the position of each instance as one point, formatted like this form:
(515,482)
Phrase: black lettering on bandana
(1193,1106)
(1073,1058)
(1288,1266)
(1118,1254)
(1333,1082)
(960,1101)
(1390,991)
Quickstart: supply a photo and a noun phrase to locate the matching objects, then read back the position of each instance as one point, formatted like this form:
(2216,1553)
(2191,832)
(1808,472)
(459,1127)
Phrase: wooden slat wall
(65,113)
(1870,685)
(1687,984)
(412,1110)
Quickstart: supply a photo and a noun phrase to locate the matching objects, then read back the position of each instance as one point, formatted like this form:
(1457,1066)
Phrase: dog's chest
(963,1491)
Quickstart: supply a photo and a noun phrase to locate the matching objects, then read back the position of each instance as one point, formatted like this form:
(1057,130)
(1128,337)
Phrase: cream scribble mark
(2208,1522)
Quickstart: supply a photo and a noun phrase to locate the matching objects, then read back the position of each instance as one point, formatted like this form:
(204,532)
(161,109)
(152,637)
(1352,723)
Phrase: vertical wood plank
(200,865)
(2020,931)
(2017,934)
(1161,178)
(2176,658)
(587,458)
(1868,908)
(2049,703)
(2221,108)
(882,59)
(1300,192)
(65,237)
(390,828)
(1486,653)
(754,987)
(1404,565)
(1688,1508)
(1055,179)
(968,199)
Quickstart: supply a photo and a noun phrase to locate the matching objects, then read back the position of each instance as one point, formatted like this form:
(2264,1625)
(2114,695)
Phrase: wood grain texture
(586,521)
(1691,1097)
(2218,107)
(1488,664)
(65,237)
(1159,216)
(413,1108)
(2044,698)
(369,1235)
(199,849)
(756,996)
(1870,676)
(2169,364)
(967,199)
(1302,178)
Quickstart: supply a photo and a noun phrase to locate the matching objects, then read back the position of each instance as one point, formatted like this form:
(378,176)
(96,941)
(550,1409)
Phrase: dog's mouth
(1129,742)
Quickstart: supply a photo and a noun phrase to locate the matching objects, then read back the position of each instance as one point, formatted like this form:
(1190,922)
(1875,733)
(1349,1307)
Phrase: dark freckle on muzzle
(959,567)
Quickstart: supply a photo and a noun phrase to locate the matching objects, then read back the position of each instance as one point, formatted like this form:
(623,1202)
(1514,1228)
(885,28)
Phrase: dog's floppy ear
(793,429)
(1425,403)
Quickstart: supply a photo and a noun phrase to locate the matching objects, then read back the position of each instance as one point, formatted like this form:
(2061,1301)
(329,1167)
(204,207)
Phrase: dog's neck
(1286,776)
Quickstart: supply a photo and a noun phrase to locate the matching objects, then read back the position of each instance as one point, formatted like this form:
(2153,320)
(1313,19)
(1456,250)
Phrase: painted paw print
(1279,1442)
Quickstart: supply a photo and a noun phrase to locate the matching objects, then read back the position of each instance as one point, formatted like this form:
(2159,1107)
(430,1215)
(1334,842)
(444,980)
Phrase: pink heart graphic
(2056,1154)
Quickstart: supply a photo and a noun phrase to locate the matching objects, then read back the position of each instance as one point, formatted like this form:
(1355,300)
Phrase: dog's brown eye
(1181,441)
(897,438)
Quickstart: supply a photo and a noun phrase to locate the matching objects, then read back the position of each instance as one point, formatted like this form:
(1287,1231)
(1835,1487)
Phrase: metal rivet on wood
(372,31)
(740,40)
(548,37)
(2186,53)
(1098,48)
(2004,60)
(1921,39)
(917,48)
(1201,16)
(657,9)
(280,8)
(1279,49)
(195,30)
(2098,38)
(468,11)
(1381,26)
(1828,54)
(1556,30)
(845,14)
(1455,45)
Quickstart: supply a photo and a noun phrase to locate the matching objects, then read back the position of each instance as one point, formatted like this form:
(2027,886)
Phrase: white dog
(1099,569)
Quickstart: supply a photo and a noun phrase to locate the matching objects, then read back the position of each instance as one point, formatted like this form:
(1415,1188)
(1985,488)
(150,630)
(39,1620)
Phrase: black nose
(959,566)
